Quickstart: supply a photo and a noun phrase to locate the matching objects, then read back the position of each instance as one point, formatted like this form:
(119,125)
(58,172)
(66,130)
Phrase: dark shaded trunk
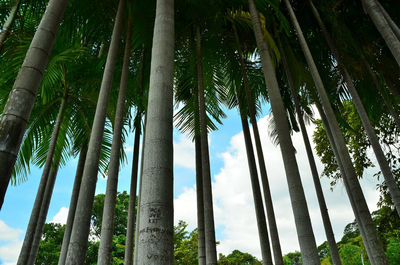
(21,99)
(80,229)
(6,30)
(393,26)
(299,205)
(33,232)
(209,227)
(72,204)
(273,229)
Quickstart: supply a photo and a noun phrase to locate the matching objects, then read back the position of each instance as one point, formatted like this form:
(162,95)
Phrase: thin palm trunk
(360,208)
(72,204)
(5,31)
(37,211)
(393,26)
(130,231)
(382,25)
(17,111)
(380,156)
(314,172)
(273,229)
(156,202)
(80,229)
(255,184)
(201,245)
(209,227)
(299,205)
(43,213)
(107,225)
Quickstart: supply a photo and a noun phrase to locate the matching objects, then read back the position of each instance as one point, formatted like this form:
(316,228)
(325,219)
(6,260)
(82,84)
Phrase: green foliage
(393,251)
(50,246)
(238,258)
(185,245)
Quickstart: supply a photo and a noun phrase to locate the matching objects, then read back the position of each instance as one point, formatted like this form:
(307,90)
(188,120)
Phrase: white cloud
(184,153)
(233,200)
(61,216)
(10,244)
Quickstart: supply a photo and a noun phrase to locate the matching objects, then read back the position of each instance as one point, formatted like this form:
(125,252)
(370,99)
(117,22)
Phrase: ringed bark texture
(155,238)
(17,111)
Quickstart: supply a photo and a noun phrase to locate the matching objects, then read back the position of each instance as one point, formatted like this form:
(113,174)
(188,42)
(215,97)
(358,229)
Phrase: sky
(233,202)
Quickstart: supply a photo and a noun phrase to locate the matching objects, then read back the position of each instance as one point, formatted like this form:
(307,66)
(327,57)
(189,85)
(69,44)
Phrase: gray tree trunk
(299,205)
(360,208)
(107,225)
(72,204)
(80,228)
(258,203)
(5,31)
(17,111)
(38,211)
(209,227)
(273,229)
(43,213)
(130,231)
(155,238)
(382,25)
(380,156)
(201,241)
(393,26)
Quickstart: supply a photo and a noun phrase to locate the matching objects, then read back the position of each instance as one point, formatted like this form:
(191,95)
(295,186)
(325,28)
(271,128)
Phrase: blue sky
(233,206)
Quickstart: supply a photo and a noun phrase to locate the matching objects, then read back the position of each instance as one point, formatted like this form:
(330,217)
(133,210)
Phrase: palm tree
(80,229)
(156,201)
(16,114)
(5,31)
(383,26)
(299,204)
(380,156)
(107,225)
(393,26)
(360,208)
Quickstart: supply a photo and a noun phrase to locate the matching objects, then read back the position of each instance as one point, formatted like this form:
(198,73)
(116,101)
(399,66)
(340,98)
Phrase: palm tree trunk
(130,231)
(37,211)
(72,204)
(107,225)
(383,27)
(43,213)
(5,31)
(17,111)
(156,202)
(314,172)
(209,227)
(360,208)
(201,245)
(299,205)
(380,156)
(255,184)
(273,229)
(80,228)
(393,26)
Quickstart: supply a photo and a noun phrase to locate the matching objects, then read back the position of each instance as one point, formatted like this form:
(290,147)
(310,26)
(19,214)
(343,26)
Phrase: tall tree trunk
(156,202)
(37,211)
(43,213)
(5,31)
(107,225)
(273,229)
(360,208)
(209,228)
(383,27)
(299,205)
(80,228)
(255,184)
(314,172)
(130,231)
(380,156)
(72,204)
(393,26)
(201,241)
(17,111)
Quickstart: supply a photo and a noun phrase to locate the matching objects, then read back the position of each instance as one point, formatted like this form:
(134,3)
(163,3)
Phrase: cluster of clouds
(233,200)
